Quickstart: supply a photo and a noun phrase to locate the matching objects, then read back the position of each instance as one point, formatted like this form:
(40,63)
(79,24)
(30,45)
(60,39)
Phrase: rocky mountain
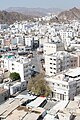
(19,14)
(11,17)
(71,14)
(33,11)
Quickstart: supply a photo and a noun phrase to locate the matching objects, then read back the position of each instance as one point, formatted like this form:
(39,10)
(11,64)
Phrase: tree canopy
(39,86)
(14,76)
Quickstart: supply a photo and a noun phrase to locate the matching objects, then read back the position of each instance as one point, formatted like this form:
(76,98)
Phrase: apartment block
(66,85)
(52,47)
(66,33)
(57,62)
(74,61)
(17,64)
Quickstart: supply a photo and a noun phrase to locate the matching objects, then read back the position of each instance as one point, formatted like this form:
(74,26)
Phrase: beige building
(60,61)
(75,60)
(14,110)
(52,47)
(56,62)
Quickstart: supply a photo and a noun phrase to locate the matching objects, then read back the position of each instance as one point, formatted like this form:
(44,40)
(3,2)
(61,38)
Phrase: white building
(29,41)
(56,62)
(17,64)
(17,87)
(66,33)
(65,86)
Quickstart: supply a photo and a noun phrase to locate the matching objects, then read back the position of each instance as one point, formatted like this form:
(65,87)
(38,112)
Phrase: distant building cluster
(29,48)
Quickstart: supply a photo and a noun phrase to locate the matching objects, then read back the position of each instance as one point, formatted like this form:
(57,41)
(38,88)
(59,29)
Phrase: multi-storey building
(74,61)
(65,86)
(52,47)
(66,33)
(17,64)
(29,41)
(57,62)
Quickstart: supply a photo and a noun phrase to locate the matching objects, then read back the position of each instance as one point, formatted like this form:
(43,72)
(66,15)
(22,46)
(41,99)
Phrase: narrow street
(36,61)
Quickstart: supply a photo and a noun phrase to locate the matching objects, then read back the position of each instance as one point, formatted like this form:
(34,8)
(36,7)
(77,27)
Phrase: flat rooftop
(58,54)
(73,72)
(17,59)
(24,113)
(10,105)
(34,114)
(73,106)
(26,95)
(17,114)
(59,106)
(66,76)
(37,102)
(49,105)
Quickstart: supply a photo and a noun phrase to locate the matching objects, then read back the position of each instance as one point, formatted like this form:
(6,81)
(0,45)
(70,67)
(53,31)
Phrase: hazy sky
(39,3)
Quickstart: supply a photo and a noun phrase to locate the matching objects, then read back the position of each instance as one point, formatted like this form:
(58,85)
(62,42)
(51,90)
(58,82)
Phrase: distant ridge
(11,17)
(34,11)
(71,14)
(19,14)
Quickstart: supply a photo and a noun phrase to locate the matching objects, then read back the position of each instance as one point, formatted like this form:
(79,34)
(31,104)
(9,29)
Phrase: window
(50,67)
(50,58)
(54,59)
(70,86)
(50,72)
(54,68)
(66,86)
(51,63)
(75,60)
(57,84)
(77,86)
(12,68)
(63,85)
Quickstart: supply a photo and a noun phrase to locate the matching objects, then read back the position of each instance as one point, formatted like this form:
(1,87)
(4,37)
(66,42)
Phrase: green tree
(14,76)
(39,86)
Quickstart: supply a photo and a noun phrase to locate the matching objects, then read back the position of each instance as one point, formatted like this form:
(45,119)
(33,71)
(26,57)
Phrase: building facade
(52,47)
(56,62)
(18,64)
(65,86)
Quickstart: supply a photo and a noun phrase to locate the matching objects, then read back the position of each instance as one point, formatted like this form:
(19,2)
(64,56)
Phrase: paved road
(36,61)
